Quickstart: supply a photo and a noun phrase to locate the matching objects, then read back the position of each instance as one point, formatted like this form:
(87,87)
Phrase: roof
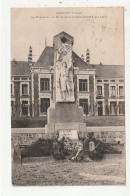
(109,71)
(47,59)
(20,68)
(78,62)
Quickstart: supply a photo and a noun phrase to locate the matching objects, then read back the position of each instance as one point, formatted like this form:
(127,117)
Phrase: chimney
(30,55)
(100,64)
(14,61)
(87,56)
(45,42)
(82,57)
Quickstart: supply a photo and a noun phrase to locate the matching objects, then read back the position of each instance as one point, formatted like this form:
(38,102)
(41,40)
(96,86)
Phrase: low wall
(25,136)
(111,134)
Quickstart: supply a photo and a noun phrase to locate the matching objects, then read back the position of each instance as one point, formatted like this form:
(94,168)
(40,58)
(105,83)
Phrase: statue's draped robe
(65,68)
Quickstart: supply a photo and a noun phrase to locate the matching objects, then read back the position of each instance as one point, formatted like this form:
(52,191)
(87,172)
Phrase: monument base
(52,128)
(65,117)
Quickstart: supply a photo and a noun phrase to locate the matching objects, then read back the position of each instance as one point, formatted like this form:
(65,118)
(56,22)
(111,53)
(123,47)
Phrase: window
(84,104)
(121,90)
(44,84)
(25,108)
(100,108)
(12,108)
(11,89)
(121,107)
(83,85)
(16,78)
(24,89)
(45,104)
(99,90)
(106,80)
(24,78)
(112,80)
(99,80)
(121,80)
(112,91)
(113,108)
(24,102)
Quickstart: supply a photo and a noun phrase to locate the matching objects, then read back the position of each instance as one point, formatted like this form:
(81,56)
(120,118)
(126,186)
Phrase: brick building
(99,89)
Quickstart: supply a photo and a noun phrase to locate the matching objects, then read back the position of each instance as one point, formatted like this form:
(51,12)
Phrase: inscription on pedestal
(70,133)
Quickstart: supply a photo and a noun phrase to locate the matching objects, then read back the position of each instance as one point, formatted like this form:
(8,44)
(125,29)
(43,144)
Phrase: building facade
(99,89)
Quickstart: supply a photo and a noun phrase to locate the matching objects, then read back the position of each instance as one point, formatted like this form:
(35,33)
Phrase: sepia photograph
(67,96)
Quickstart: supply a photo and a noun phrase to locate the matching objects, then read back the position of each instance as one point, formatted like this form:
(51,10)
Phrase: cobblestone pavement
(110,171)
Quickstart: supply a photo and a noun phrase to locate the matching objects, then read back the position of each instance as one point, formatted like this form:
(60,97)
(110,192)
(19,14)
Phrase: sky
(98,29)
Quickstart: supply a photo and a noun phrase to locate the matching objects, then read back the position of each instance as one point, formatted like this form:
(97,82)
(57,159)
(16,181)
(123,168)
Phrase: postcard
(67,96)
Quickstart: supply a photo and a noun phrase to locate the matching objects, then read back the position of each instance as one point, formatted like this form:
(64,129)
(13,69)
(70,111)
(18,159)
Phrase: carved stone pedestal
(65,116)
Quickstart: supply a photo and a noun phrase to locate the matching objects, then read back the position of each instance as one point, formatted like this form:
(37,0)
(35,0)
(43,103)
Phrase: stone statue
(65,70)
